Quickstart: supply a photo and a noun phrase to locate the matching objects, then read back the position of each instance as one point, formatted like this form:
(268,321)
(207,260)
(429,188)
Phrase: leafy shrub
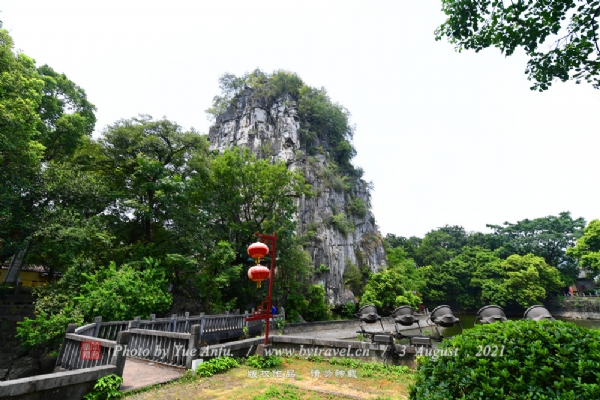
(47,330)
(388,289)
(322,268)
(353,278)
(534,360)
(280,325)
(121,294)
(106,388)
(84,292)
(342,224)
(316,310)
(349,309)
(334,178)
(260,362)
(216,366)
(358,207)
(289,392)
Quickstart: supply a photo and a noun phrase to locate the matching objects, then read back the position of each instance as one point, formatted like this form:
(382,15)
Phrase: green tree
(292,277)
(518,280)
(451,282)
(66,115)
(119,294)
(146,159)
(409,245)
(572,26)
(69,225)
(587,249)
(393,287)
(248,195)
(20,152)
(86,291)
(441,245)
(43,117)
(316,307)
(547,237)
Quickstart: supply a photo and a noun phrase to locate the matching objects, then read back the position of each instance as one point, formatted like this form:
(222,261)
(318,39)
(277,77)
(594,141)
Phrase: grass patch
(294,378)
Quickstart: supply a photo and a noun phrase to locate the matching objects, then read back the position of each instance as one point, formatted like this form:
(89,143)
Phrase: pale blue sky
(446,138)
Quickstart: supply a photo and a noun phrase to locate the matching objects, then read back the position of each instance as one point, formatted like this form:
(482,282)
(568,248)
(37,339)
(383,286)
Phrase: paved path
(351,332)
(139,374)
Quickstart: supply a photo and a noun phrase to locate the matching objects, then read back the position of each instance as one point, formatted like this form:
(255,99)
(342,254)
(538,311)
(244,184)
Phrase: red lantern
(258,250)
(258,273)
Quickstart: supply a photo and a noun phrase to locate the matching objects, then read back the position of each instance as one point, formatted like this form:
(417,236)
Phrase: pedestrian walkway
(140,373)
(351,332)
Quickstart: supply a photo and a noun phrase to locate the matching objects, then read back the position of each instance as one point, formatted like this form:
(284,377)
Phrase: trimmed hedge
(539,360)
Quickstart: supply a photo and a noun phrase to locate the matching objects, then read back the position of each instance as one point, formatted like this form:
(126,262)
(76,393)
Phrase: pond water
(468,321)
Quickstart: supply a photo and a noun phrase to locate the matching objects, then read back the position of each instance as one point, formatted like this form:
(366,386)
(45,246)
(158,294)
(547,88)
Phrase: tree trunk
(148,217)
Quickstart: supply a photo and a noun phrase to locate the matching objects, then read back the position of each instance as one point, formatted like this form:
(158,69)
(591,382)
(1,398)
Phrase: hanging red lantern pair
(258,273)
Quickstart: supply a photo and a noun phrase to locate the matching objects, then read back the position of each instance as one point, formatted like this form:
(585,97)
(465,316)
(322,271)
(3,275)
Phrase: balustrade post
(202,322)
(193,346)
(119,358)
(70,329)
(133,324)
(152,317)
(174,324)
(98,322)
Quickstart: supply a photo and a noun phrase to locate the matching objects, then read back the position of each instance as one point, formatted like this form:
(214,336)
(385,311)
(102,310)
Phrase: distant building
(29,276)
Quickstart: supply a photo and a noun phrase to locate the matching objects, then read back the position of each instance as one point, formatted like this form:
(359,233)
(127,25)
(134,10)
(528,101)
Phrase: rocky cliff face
(337,221)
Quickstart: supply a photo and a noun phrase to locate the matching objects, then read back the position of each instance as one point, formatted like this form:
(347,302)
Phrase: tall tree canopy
(559,36)
(547,237)
(587,250)
(43,117)
(478,276)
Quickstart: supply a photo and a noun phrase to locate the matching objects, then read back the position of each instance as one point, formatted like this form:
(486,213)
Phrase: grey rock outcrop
(337,237)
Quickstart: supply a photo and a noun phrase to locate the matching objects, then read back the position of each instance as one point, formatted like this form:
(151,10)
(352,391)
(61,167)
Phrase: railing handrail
(149,332)
(85,328)
(71,355)
(83,338)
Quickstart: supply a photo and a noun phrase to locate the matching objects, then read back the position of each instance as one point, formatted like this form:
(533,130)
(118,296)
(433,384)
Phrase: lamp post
(257,252)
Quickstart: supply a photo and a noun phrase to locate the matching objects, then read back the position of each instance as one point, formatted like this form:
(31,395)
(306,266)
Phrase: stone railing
(59,385)
(103,330)
(80,351)
(208,323)
(170,348)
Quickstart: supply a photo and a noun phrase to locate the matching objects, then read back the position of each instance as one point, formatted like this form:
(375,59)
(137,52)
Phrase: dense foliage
(516,265)
(570,27)
(394,286)
(216,366)
(140,216)
(145,214)
(325,125)
(587,249)
(514,360)
(106,388)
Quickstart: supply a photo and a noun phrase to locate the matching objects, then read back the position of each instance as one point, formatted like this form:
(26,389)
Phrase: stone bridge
(159,350)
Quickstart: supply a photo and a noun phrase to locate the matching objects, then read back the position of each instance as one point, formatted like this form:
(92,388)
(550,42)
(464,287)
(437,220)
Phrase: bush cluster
(260,362)
(534,360)
(216,366)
